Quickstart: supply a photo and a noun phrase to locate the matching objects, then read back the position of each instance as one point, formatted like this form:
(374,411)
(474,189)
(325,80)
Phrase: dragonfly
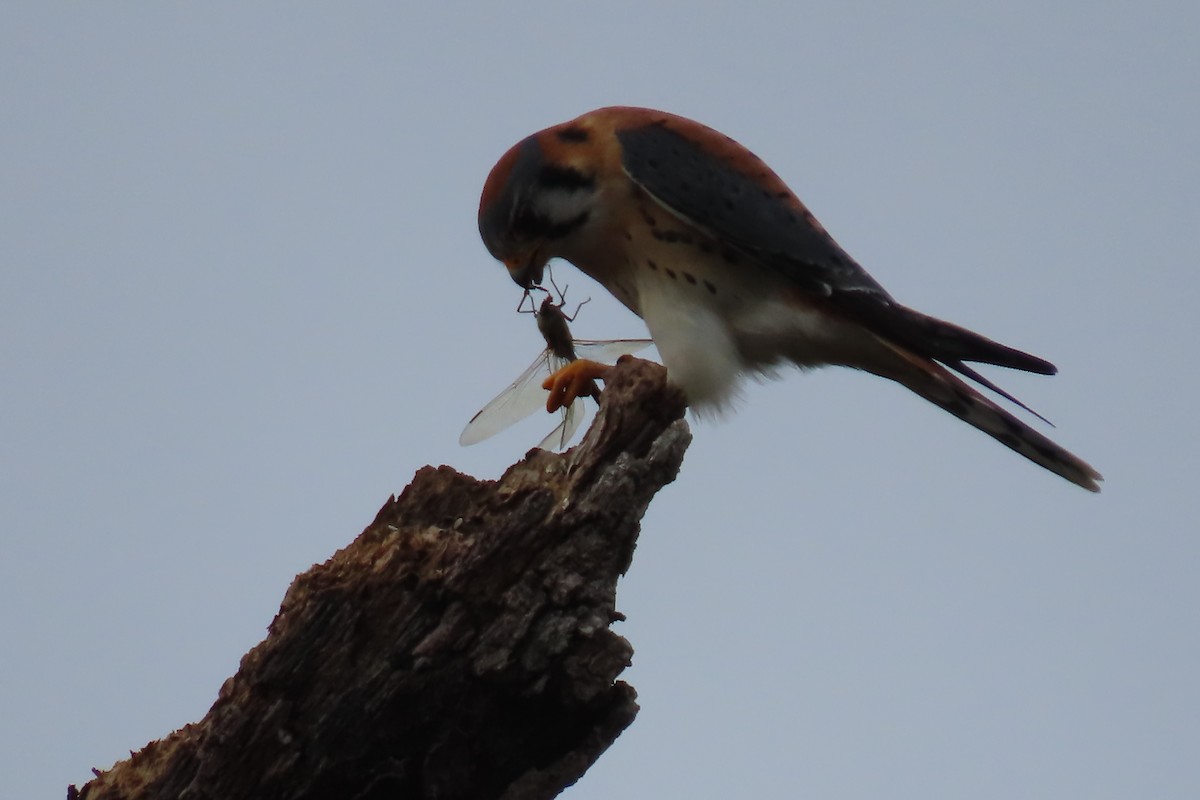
(525,395)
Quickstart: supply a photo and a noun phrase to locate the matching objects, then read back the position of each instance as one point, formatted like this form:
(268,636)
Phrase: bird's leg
(577,379)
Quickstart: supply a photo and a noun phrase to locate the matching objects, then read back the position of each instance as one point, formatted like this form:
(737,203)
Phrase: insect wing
(571,415)
(607,351)
(523,397)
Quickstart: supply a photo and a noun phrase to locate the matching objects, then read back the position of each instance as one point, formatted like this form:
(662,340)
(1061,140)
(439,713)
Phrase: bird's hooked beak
(526,270)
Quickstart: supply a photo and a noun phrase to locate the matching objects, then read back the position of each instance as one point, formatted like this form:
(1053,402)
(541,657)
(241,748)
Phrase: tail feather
(963,369)
(949,343)
(936,384)
(940,340)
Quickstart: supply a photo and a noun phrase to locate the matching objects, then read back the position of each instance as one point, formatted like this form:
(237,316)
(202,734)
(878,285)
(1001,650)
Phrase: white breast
(714,325)
(693,338)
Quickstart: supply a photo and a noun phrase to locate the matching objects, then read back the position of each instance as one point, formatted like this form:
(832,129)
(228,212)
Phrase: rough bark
(458,648)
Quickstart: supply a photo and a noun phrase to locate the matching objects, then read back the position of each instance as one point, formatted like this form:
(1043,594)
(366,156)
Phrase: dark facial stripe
(552,176)
(535,226)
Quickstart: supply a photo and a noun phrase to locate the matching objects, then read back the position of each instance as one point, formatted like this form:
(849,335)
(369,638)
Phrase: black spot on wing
(673,237)
(733,207)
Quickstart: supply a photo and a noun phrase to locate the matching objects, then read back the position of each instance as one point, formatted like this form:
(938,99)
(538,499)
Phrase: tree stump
(459,648)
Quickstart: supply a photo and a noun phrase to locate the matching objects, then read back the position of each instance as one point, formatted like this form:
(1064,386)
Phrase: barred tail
(935,383)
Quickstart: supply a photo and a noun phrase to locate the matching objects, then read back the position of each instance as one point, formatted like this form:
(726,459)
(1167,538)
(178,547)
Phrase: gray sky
(242,299)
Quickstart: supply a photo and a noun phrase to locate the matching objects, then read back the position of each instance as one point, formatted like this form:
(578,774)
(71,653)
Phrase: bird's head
(537,196)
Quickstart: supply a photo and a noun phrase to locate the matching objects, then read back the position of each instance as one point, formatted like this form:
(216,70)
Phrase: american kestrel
(526,394)
(730,271)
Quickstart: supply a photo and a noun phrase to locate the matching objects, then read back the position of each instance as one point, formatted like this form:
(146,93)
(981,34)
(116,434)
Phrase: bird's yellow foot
(577,379)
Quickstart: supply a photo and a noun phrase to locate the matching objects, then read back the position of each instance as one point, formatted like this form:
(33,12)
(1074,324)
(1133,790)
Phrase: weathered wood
(458,648)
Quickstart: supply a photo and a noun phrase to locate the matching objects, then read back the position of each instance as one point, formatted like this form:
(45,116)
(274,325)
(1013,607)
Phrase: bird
(730,271)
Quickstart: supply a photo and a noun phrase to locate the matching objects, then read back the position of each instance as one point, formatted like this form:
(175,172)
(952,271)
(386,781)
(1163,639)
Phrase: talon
(577,379)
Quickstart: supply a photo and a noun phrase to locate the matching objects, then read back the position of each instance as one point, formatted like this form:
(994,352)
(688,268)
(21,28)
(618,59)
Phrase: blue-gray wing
(718,186)
(712,183)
